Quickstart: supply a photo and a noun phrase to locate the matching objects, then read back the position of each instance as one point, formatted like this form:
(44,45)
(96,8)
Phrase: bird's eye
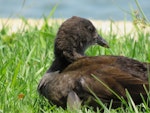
(90,28)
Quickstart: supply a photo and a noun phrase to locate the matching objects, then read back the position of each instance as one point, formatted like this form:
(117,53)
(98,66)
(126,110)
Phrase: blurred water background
(93,9)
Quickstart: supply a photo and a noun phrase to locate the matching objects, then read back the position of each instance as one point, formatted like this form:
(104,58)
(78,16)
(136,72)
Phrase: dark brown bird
(74,77)
(74,36)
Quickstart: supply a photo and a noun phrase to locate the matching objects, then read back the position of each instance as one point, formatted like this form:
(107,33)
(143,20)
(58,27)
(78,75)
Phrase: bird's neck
(61,61)
(59,64)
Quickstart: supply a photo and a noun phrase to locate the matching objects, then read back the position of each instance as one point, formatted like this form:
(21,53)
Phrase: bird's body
(79,76)
(118,73)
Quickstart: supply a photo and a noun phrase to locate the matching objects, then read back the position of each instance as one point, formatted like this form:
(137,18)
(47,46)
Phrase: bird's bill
(102,42)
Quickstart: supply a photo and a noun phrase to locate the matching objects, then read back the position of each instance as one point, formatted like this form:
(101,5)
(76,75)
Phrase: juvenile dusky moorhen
(75,77)
(74,36)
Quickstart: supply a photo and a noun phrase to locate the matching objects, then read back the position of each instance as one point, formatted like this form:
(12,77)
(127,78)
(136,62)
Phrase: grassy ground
(27,54)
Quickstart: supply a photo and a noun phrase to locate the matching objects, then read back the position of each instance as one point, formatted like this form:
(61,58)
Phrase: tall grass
(27,54)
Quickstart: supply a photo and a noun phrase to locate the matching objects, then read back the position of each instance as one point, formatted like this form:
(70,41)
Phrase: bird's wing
(109,76)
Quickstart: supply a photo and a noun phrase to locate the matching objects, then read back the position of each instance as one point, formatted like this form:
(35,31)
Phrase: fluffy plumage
(82,74)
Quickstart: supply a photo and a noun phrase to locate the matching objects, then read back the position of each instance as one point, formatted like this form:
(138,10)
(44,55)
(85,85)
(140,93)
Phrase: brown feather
(73,75)
(118,73)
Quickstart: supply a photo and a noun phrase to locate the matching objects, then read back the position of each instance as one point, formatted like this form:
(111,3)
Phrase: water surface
(94,9)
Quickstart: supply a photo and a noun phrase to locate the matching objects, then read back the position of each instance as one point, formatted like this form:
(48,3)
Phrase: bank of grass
(27,54)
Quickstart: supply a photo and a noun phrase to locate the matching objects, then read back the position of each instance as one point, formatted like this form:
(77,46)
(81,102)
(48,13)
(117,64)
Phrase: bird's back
(103,75)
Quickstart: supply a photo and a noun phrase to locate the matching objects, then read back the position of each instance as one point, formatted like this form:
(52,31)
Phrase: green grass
(27,54)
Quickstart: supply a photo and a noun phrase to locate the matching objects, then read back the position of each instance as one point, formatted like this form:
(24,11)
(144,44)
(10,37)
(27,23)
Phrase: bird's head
(78,33)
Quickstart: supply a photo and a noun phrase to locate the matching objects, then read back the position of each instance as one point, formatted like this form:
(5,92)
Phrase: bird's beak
(102,42)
